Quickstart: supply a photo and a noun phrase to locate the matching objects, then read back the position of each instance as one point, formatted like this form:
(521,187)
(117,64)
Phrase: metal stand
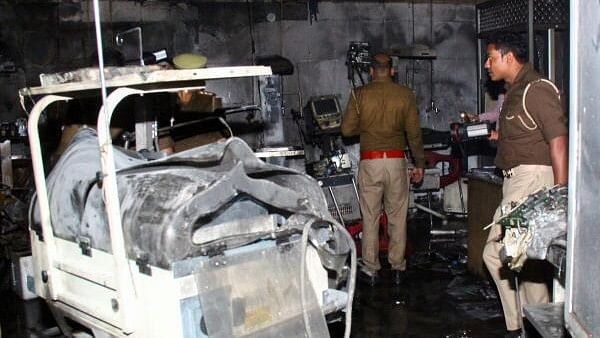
(339,180)
(431,212)
(337,207)
(429,252)
(518,300)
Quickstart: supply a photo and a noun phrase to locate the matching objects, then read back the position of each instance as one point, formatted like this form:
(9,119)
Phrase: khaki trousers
(525,180)
(383,180)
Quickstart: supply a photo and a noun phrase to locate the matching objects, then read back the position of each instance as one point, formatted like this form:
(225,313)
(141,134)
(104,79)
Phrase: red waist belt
(375,154)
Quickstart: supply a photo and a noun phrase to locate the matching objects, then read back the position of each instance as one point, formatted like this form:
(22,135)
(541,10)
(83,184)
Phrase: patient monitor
(326,111)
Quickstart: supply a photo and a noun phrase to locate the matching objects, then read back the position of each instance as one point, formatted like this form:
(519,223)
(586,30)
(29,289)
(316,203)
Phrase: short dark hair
(510,42)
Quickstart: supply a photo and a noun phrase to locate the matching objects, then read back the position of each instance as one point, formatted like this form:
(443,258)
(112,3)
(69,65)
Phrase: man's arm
(559,158)
(351,119)
(546,108)
(415,139)
(413,132)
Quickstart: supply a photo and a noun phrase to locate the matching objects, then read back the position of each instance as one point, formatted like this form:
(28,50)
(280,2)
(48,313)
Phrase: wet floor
(438,299)
(435,301)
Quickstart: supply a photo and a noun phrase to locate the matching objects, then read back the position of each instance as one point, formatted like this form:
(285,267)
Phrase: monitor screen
(325,106)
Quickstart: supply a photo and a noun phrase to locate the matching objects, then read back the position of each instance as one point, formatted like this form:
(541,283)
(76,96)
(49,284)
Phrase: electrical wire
(100,55)
(412,62)
(412,6)
(22,101)
(155,135)
(351,279)
(431,87)
(350,284)
(222,120)
(303,267)
(251,30)
(281,27)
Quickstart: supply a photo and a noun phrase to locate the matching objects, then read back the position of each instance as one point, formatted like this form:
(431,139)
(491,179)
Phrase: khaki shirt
(381,112)
(521,141)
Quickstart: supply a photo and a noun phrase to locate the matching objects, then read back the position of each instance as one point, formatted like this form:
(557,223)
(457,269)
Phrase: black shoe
(398,277)
(370,278)
(513,334)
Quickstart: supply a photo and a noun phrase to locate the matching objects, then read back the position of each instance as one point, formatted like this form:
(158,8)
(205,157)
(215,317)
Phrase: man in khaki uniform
(532,153)
(384,114)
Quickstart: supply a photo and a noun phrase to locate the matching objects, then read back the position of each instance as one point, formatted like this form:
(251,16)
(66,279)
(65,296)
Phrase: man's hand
(416,175)
(468,117)
(493,136)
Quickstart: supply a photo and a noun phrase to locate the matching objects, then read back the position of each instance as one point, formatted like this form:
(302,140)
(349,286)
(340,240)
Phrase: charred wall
(43,37)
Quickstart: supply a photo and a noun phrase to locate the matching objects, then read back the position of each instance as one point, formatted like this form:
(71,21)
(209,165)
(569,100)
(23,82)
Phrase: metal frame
(40,184)
(187,77)
(582,268)
(551,54)
(125,294)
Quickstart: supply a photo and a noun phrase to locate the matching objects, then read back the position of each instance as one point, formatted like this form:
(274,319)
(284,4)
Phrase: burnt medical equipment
(463,132)
(358,60)
(326,111)
(13,129)
(441,170)
(359,55)
(14,152)
(159,248)
(322,117)
(128,47)
(532,225)
(536,228)
(341,195)
(473,139)
(133,49)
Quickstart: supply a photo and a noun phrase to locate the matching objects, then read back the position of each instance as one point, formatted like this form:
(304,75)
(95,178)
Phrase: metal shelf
(149,79)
